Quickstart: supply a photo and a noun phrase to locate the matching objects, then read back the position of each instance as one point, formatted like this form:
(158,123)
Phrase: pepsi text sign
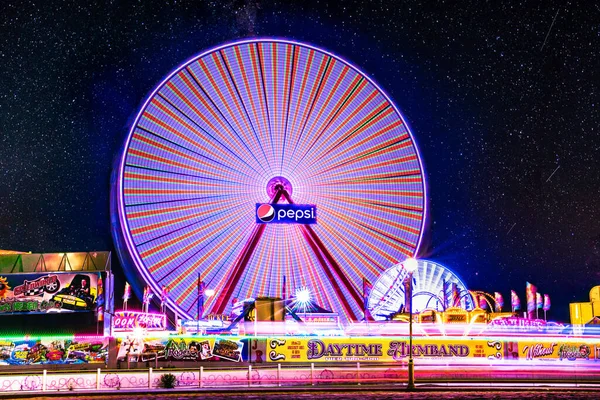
(286,213)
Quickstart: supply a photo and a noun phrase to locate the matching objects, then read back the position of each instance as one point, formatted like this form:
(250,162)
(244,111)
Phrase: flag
(515,302)
(100,299)
(539,301)
(164,294)
(530,291)
(201,289)
(284,290)
(482,302)
(499,300)
(546,302)
(127,292)
(147,296)
(455,295)
(366,292)
(445,287)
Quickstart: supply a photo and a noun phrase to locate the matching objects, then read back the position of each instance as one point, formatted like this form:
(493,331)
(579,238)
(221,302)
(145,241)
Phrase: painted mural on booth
(371,349)
(54,292)
(53,351)
(176,348)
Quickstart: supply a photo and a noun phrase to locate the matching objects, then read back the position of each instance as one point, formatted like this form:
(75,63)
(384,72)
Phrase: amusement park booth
(56,308)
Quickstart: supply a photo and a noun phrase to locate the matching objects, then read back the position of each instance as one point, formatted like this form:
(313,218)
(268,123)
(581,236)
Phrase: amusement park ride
(263,121)
(244,128)
(267,165)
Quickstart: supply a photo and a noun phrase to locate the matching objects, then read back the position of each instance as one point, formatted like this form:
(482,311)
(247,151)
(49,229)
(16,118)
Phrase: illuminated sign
(399,350)
(197,348)
(286,213)
(53,350)
(125,321)
(58,292)
(374,349)
(538,350)
(524,324)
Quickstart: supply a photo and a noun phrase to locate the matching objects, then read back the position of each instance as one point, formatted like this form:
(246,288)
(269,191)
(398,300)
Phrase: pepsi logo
(265,213)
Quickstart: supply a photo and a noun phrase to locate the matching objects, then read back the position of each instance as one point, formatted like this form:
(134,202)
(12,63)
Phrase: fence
(279,375)
(250,376)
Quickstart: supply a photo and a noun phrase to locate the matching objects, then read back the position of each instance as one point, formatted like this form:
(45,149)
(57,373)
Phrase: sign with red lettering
(127,321)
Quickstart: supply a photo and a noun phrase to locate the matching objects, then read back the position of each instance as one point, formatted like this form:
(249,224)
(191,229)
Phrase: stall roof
(18,263)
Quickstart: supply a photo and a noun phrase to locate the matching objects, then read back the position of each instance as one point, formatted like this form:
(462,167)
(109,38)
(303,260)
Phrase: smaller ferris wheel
(434,287)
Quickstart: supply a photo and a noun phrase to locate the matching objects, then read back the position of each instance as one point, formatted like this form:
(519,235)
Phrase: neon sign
(286,213)
(125,321)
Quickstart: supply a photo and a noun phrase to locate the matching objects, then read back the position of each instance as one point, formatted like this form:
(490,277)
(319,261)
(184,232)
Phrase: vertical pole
(150,378)
(249,375)
(358,373)
(200,298)
(98,379)
(312,374)
(411,366)
(200,376)
(279,374)
(44,380)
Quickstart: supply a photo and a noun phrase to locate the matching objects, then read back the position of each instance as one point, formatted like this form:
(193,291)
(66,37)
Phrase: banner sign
(200,348)
(48,292)
(53,351)
(286,213)
(372,349)
(127,321)
(555,350)
(517,323)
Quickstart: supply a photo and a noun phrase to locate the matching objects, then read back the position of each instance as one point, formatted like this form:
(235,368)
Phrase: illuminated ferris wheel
(267,121)
(434,287)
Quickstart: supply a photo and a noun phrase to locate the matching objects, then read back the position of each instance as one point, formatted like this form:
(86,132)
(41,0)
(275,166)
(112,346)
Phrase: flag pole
(198,317)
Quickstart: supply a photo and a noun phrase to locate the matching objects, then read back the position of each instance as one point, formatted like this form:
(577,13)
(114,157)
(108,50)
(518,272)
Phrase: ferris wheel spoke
(324,71)
(264,93)
(355,146)
(231,144)
(331,140)
(226,147)
(290,88)
(335,110)
(365,156)
(239,103)
(352,143)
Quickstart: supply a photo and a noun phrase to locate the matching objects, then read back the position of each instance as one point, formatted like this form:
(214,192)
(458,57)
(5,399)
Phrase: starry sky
(503,99)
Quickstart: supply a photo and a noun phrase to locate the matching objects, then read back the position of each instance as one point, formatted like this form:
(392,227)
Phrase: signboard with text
(127,321)
(52,292)
(373,349)
(51,350)
(199,348)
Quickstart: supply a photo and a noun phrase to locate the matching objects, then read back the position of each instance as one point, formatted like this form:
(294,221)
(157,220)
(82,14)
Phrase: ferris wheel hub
(277,183)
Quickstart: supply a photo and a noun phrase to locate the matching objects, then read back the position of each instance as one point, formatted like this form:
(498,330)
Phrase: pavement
(349,389)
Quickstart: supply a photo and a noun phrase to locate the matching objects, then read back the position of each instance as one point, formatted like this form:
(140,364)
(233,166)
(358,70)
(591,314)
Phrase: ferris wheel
(434,287)
(261,121)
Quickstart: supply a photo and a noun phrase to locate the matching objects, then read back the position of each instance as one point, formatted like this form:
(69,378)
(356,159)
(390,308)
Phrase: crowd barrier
(282,375)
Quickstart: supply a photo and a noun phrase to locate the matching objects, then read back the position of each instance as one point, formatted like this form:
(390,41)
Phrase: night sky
(503,100)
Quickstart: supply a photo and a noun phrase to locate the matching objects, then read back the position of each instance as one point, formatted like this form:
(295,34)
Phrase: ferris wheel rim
(124,226)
